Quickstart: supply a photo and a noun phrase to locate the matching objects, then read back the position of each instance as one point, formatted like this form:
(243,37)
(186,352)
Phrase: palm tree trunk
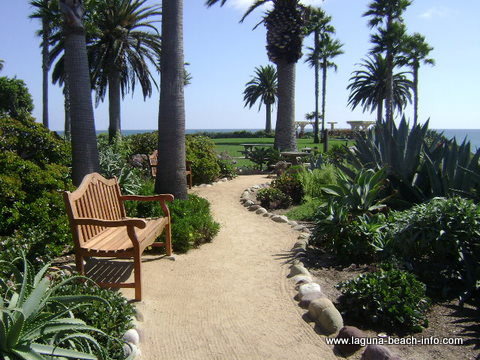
(389,94)
(114,104)
(171,120)
(380,111)
(324,95)
(66,105)
(285,126)
(268,122)
(316,138)
(415,95)
(45,71)
(84,141)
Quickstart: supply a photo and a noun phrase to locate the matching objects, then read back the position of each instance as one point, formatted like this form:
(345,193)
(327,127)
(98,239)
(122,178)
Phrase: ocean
(472,135)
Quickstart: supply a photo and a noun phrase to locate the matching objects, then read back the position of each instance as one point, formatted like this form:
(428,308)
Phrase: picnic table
(294,157)
(249,147)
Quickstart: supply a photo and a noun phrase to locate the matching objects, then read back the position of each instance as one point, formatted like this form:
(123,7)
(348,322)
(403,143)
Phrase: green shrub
(192,222)
(289,183)
(144,143)
(393,300)
(313,181)
(305,211)
(113,317)
(440,239)
(200,151)
(272,198)
(263,156)
(227,166)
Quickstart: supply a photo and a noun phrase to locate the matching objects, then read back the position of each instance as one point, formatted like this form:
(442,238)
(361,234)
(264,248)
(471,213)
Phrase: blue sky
(223,54)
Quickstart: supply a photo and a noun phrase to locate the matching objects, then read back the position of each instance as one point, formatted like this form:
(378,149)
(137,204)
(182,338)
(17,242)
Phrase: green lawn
(233,146)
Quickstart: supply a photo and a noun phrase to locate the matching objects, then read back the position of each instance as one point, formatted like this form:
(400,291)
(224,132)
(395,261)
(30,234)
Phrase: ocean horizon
(472,135)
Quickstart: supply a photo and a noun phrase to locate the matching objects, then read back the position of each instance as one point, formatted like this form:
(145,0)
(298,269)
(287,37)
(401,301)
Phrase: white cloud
(436,11)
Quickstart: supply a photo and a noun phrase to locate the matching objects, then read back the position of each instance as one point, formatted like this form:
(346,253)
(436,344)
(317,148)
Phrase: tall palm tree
(416,51)
(46,11)
(386,15)
(326,50)
(2,62)
(125,41)
(263,86)
(84,141)
(368,87)
(285,32)
(318,23)
(171,119)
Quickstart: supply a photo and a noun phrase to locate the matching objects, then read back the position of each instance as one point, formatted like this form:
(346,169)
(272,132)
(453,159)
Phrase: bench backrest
(96,197)
(153,161)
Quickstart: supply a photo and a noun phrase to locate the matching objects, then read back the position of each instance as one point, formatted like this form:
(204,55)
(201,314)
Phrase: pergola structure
(360,125)
(301,125)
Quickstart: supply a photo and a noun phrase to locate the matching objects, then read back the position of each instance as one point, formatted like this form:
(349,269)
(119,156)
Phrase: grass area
(234,148)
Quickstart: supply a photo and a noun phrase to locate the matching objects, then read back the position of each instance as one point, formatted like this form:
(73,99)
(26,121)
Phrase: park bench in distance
(101,228)
(153,162)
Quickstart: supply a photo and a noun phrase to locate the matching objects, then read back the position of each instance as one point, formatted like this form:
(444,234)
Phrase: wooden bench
(153,162)
(101,228)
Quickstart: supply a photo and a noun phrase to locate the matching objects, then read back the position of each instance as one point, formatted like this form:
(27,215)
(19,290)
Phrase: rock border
(321,310)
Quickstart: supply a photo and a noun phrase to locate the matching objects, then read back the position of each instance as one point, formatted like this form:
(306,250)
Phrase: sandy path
(229,299)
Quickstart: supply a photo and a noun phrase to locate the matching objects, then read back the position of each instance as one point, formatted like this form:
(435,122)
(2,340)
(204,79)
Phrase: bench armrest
(132,222)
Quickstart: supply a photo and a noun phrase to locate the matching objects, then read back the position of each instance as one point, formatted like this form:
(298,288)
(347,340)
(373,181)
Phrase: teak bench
(100,227)
(153,161)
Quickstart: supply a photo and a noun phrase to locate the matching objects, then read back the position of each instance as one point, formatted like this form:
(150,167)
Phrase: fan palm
(368,87)
(84,140)
(263,86)
(318,23)
(416,51)
(386,15)
(126,40)
(285,32)
(1,64)
(171,119)
(326,50)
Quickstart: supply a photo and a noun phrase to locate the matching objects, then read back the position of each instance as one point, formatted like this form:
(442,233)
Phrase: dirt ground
(446,320)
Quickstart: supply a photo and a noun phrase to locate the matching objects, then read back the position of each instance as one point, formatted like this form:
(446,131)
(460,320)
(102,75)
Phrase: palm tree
(45,10)
(416,52)
(171,119)
(120,51)
(386,15)
(84,141)
(318,23)
(2,62)
(263,86)
(285,31)
(326,50)
(368,87)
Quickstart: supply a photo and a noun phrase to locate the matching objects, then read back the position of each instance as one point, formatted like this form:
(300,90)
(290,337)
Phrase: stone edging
(309,294)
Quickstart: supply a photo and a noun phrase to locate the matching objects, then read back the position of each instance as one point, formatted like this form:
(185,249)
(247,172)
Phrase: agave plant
(36,324)
(360,194)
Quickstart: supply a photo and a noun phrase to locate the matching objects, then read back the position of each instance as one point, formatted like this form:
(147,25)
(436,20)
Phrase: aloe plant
(36,324)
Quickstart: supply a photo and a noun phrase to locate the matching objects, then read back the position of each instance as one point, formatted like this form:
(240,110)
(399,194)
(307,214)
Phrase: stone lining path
(229,299)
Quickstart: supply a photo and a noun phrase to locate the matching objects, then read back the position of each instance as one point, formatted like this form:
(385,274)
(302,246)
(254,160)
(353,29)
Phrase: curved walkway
(229,299)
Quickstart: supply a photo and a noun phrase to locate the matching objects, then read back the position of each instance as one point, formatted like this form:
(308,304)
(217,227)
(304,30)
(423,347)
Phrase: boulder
(301,279)
(254,207)
(132,336)
(309,288)
(248,203)
(377,352)
(298,269)
(329,320)
(292,223)
(261,210)
(308,298)
(349,332)
(280,219)
(317,306)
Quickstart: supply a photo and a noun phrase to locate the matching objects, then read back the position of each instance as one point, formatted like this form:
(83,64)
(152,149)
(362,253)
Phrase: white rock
(248,203)
(299,228)
(261,210)
(292,223)
(131,336)
(280,219)
(224,180)
(209,185)
(302,279)
(304,236)
(309,288)
(298,270)
(129,349)
(245,195)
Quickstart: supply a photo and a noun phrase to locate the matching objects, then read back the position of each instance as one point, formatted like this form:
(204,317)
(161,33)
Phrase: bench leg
(80,265)
(168,240)
(189,179)
(137,258)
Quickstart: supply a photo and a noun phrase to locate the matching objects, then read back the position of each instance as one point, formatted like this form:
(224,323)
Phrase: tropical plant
(263,156)
(45,12)
(289,183)
(35,323)
(84,142)
(285,25)
(390,299)
(121,49)
(416,51)
(272,198)
(369,89)
(318,23)
(171,119)
(263,86)
(386,16)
